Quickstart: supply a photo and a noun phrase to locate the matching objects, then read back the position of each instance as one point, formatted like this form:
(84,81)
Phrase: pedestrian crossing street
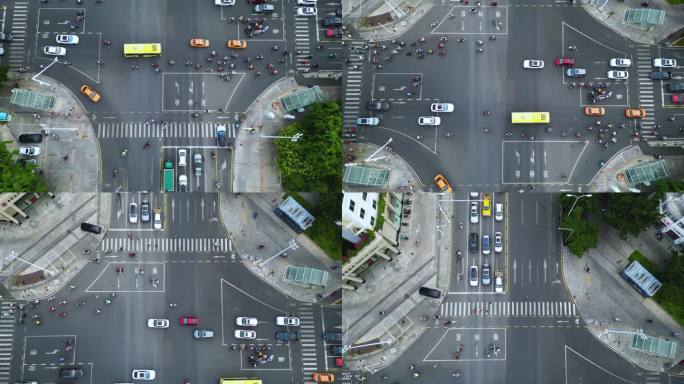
(353,83)
(7,321)
(646,87)
(302,43)
(166,245)
(307,337)
(18,29)
(170,129)
(509,309)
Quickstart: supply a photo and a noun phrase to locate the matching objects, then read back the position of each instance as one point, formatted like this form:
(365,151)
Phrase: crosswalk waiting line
(353,84)
(18,29)
(7,322)
(171,129)
(166,245)
(646,92)
(302,43)
(307,340)
(510,309)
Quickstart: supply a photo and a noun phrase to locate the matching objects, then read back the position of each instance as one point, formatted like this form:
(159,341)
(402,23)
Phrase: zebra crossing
(167,245)
(509,309)
(170,129)
(302,43)
(7,321)
(307,337)
(18,29)
(646,88)
(353,83)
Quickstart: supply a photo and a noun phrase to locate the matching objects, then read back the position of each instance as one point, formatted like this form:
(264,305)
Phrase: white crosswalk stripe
(509,309)
(18,30)
(352,92)
(302,42)
(646,87)
(307,339)
(7,322)
(166,244)
(172,129)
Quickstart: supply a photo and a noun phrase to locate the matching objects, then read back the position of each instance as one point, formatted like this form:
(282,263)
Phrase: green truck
(169,179)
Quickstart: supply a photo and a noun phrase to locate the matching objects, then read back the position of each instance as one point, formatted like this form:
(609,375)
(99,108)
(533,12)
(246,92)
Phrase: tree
(314,162)
(15,177)
(4,74)
(584,235)
(668,185)
(629,213)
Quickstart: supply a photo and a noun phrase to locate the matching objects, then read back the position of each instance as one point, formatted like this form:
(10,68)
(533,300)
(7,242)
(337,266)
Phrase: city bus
(143,50)
(240,380)
(530,117)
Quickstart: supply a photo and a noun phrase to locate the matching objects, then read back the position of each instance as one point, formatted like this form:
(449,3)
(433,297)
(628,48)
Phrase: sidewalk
(254,165)
(404,15)
(248,232)
(402,177)
(612,176)
(70,136)
(392,288)
(51,240)
(602,296)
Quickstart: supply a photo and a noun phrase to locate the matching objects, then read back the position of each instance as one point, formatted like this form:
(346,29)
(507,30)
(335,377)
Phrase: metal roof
(645,173)
(644,17)
(365,175)
(301,98)
(306,276)
(641,279)
(653,346)
(33,100)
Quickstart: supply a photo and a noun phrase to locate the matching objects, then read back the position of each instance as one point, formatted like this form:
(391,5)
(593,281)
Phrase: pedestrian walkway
(302,43)
(171,129)
(166,245)
(646,101)
(18,29)
(353,83)
(509,309)
(7,321)
(307,339)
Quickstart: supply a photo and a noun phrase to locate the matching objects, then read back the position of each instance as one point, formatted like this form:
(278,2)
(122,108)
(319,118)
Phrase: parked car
(430,292)
(5,117)
(30,138)
(29,151)
(92,228)
(286,336)
(287,321)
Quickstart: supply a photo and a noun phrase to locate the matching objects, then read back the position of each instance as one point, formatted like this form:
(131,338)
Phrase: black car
(71,373)
(31,138)
(286,336)
(335,350)
(332,337)
(332,21)
(92,228)
(338,11)
(663,75)
(377,105)
(430,292)
(675,87)
(473,242)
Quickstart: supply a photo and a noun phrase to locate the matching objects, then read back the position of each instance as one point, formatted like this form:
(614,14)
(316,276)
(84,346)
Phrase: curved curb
(392,153)
(398,34)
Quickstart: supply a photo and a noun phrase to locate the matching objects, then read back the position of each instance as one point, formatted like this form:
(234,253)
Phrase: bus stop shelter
(28,99)
(365,175)
(653,346)
(301,98)
(644,18)
(306,276)
(646,173)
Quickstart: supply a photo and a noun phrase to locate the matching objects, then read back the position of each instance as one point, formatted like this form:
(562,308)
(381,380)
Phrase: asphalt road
(204,278)
(494,80)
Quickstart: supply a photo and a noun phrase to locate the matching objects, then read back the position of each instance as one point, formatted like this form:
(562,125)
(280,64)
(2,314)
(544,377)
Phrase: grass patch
(325,233)
(380,221)
(670,296)
(646,263)
(675,2)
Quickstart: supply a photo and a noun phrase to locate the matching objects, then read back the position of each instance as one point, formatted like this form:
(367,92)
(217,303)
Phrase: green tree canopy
(314,162)
(15,177)
(629,213)
(584,233)
(4,74)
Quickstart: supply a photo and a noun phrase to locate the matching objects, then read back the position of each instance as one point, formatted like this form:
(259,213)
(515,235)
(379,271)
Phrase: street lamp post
(370,158)
(576,200)
(567,229)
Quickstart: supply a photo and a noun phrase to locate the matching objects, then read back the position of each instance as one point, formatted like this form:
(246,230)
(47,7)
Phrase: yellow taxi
(237,44)
(594,111)
(635,112)
(199,43)
(486,205)
(90,93)
(442,183)
(323,377)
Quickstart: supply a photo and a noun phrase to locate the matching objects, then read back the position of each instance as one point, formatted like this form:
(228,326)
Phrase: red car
(677,99)
(188,320)
(334,32)
(338,362)
(564,61)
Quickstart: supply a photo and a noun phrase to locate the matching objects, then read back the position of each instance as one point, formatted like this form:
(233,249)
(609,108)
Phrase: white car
(307,2)
(224,2)
(157,323)
(441,107)
(306,11)
(133,213)
(474,195)
(244,334)
(67,39)
(473,277)
(429,120)
(246,321)
(143,374)
(498,212)
(498,283)
(29,151)
(54,51)
(498,242)
(182,157)
(474,214)
(367,121)
(183,180)
(157,220)
(664,63)
(618,75)
(533,64)
(619,62)
(287,321)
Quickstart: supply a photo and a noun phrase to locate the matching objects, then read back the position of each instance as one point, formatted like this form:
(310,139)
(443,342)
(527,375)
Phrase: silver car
(474,213)
(145,211)
(133,213)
